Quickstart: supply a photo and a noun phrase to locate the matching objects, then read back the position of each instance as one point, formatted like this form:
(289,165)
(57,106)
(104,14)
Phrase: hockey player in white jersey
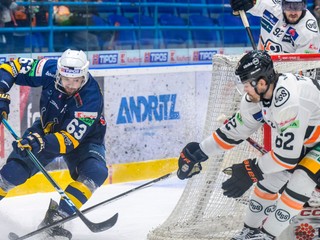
(290,105)
(286,26)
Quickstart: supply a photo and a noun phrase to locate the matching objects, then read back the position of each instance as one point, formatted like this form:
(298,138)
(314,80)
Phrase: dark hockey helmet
(294,5)
(255,65)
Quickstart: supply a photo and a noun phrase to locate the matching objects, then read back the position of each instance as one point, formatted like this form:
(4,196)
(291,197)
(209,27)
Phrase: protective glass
(293,6)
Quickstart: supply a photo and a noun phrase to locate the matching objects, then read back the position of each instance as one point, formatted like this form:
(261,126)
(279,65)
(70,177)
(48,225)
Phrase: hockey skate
(253,234)
(53,215)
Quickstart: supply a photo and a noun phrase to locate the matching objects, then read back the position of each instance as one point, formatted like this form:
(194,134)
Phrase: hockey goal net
(202,211)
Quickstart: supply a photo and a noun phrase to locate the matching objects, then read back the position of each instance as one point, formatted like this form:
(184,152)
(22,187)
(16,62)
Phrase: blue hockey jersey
(66,121)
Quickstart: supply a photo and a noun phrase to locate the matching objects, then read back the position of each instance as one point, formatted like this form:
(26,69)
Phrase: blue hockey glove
(243,175)
(4,105)
(189,160)
(32,142)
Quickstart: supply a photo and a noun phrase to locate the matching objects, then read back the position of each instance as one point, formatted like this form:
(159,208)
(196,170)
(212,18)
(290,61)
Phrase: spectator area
(128,24)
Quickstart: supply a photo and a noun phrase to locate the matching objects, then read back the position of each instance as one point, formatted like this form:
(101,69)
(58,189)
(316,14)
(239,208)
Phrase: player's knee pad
(275,181)
(14,173)
(301,184)
(93,169)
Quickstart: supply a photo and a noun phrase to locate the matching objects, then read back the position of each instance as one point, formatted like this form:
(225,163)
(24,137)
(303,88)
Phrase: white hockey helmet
(73,64)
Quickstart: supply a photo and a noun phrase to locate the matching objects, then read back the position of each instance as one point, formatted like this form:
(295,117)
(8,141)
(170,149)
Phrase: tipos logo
(255,206)
(282,215)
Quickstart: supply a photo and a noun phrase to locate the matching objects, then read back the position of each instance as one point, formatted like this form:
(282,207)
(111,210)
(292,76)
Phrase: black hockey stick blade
(105,226)
(98,227)
(89,209)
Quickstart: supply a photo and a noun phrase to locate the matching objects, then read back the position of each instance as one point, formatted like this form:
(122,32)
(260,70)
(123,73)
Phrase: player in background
(290,105)
(286,26)
(72,125)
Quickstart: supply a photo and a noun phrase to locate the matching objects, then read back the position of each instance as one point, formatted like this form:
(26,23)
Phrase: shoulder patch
(258,116)
(312,25)
(86,117)
(39,68)
(281,97)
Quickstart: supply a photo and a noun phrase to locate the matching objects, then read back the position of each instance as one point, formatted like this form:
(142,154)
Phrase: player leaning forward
(71,125)
(290,104)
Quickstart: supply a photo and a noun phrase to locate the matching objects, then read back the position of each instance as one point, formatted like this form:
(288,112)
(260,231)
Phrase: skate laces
(252,234)
(248,233)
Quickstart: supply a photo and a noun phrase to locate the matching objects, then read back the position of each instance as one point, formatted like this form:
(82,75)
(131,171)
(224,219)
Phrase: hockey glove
(243,175)
(189,160)
(4,105)
(237,5)
(32,142)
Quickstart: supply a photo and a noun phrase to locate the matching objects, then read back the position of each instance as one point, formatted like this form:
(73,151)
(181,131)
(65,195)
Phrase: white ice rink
(139,212)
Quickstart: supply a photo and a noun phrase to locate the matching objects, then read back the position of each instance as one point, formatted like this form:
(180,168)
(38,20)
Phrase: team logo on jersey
(281,97)
(271,46)
(312,25)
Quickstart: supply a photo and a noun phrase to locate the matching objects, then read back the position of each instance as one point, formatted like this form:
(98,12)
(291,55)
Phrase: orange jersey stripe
(221,143)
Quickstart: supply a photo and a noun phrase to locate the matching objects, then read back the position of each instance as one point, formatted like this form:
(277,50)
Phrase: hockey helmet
(294,5)
(255,65)
(72,64)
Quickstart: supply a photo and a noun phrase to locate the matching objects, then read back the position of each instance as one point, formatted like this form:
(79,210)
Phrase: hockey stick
(94,227)
(13,236)
(248,29)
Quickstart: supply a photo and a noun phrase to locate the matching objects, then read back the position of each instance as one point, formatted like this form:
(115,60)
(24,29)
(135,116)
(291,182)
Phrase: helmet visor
(240,83)
(293,6)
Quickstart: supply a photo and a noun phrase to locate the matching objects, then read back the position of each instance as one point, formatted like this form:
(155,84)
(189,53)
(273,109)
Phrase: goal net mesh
(202,211)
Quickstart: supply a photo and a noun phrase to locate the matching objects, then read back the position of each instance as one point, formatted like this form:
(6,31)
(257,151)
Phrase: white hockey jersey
(277,36)
(293,115)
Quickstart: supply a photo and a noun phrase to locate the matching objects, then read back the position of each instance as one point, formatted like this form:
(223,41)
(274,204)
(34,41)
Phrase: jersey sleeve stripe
(74,141)
(314,136)
(280,162)
(221,143)
(7,68)
(63,148)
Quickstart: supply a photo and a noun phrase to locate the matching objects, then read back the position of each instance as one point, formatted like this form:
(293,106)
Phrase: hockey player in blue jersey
(71,125)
